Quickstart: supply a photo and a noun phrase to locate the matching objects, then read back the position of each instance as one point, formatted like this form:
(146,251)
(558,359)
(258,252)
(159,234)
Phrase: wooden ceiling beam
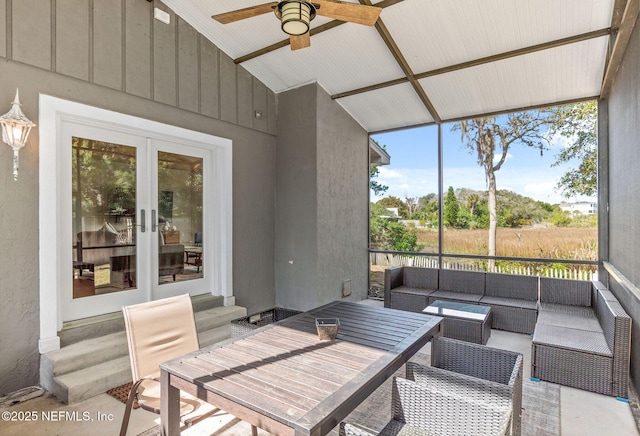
(489,114)
(404,65)
(313,31)
(286,42)
(618,11)
(619,46)
(484,60)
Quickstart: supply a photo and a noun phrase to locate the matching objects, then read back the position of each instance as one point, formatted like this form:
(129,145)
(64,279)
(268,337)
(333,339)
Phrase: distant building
(393,211)
(583,207)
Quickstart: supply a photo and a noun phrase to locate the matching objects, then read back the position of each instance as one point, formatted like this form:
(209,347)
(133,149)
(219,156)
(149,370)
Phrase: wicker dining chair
(419,410)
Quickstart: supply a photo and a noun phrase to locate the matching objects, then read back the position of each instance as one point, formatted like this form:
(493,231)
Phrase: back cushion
(468,282)
(607,321)
(565,291)
(416,277)
(512,286)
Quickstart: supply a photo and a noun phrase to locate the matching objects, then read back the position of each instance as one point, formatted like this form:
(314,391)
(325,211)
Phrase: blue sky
(413,171)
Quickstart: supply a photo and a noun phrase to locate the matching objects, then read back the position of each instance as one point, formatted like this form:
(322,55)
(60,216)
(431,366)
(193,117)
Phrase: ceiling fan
(295,16)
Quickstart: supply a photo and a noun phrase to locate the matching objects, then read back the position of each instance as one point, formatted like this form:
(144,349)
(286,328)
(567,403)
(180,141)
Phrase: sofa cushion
(511,286)
(467,282)
(412,290)
(454,296)
(417,277)
(586,321)
(509,302)
(571,339)
(565,291)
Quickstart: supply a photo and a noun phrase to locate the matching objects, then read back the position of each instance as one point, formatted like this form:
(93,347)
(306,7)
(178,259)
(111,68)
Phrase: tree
(411,203)
(388,234)
(472,201)
(491,138)
(377,187)
(391,201)
(451,208)
(578,123)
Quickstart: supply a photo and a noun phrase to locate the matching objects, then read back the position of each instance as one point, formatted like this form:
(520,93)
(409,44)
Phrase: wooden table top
(283,379)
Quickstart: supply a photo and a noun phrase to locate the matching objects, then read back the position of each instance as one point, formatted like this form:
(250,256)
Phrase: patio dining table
(283,379)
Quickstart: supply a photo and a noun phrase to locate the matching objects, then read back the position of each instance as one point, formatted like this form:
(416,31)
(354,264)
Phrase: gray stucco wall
(321,205)
(112,54)
(624,189)
(296,247)
(343,185)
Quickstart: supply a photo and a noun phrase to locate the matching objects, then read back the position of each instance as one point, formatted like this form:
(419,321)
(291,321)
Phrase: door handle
(154,223)
(143,220)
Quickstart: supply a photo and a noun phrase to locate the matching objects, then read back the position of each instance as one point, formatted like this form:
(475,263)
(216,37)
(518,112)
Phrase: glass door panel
(180,212)
(104,206)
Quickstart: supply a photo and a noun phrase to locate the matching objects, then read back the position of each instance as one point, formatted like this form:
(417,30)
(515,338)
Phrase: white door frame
(55,226)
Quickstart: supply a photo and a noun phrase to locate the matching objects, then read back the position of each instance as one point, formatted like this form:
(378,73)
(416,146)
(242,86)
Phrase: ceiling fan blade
(241,14)
(300,41)
(351,12)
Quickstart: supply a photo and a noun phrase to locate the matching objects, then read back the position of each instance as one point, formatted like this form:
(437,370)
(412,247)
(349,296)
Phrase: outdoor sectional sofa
(408,288)
(581,333)
(582,338)
(513,298)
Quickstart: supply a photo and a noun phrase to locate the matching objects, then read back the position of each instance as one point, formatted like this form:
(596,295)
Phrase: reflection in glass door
(104,217)
(180,223)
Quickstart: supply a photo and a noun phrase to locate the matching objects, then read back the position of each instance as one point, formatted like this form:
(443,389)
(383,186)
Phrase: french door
(137,209)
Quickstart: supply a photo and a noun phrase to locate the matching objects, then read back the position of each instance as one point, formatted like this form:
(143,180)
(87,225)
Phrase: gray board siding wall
(118,44)
(624,190)
(112,54)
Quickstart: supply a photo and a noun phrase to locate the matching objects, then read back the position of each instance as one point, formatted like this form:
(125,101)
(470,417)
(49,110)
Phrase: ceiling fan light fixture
(295,16)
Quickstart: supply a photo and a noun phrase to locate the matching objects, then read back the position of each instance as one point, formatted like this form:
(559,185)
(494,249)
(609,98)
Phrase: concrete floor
(581,413)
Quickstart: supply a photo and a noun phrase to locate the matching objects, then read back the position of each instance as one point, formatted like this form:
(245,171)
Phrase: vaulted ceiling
(430,61)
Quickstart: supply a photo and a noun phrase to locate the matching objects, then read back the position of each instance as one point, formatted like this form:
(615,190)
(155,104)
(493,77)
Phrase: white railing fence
(576,272)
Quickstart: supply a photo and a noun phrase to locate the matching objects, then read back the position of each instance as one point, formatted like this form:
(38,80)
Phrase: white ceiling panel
(560,74)
(429,34)
(347,57)
(387,108)
(435,34)
(235,39)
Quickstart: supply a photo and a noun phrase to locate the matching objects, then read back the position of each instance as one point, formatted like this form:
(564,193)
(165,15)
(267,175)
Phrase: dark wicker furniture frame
(582,338)
(249,323)
(468,389)
(459,327)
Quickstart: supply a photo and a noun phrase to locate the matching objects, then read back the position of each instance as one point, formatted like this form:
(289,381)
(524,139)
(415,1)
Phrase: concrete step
(218,334)
(94,380)
(86,353)
(89,367)
(217,316)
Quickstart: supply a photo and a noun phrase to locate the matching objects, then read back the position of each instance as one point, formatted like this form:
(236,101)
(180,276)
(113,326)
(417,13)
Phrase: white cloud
(386,173)
(497,157)
(560,141)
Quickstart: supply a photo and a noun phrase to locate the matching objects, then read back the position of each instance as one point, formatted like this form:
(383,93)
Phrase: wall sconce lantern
(15,131)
